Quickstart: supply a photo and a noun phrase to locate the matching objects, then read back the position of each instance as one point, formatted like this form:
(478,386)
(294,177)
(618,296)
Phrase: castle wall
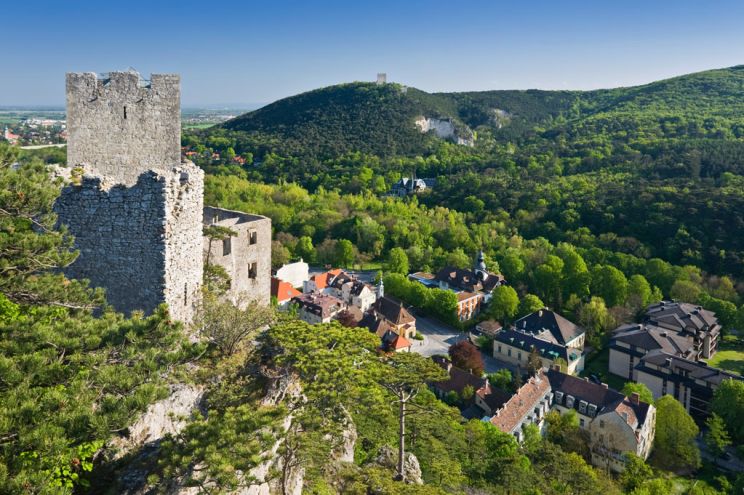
(142,243)
(246,261)
(121,126)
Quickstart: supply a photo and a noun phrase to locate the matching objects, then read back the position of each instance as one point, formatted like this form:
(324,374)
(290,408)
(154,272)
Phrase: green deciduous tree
(504,304)
(674,446)
(610,284)
(716,438)
(728,403)
(529,304)
(641,389)
(398,261)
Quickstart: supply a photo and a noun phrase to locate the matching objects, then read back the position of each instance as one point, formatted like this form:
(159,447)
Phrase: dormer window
(569,401)
(592,410)
(582,407)
(559,397)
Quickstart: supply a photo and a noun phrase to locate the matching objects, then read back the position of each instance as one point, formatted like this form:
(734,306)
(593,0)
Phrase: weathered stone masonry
(246,256)
(137,220)
(137,217)
(120,125)
(134,241)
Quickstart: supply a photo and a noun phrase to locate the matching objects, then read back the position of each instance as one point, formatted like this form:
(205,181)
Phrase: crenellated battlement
(121,125)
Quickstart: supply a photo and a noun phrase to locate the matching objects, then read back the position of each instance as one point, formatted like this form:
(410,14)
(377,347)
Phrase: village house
(296,274)
(473,287)
(680,330)
(392,342)
(528,405)
(392,312)
(549,325)
(514,347)
(616,424)
(486,328)
(692,383)
(475,393)
(411,185)
(318,308)
(283,292)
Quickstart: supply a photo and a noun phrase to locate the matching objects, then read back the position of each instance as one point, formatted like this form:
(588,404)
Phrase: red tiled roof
(283,291)
(527,398)
(400,342)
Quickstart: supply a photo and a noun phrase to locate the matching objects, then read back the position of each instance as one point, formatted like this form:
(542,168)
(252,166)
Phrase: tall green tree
(716,438)
(529,304)
(728,403)
(610,284)
(398,261)
(674,445)
(641,389)
(504,304)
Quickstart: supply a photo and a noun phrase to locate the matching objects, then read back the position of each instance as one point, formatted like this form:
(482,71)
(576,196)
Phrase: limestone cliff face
(445,129)
(165,417)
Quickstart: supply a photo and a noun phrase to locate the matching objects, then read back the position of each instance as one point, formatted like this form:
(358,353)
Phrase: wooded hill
(379,119)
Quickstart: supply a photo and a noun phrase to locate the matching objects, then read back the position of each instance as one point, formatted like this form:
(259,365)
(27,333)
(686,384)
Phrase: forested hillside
(653,170)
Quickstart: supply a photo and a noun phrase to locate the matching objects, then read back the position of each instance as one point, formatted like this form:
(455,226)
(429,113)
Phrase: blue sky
(251,52)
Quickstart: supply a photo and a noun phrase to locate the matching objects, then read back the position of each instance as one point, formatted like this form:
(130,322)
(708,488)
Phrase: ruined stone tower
(137,215)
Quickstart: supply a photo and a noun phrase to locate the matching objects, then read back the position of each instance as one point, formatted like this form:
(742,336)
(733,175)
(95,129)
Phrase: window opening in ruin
(125,111)
(252,270)
(253,235)
(185,294)
(226,246)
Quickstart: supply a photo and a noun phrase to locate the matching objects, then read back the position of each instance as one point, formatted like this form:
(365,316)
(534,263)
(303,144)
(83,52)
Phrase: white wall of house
(294,273)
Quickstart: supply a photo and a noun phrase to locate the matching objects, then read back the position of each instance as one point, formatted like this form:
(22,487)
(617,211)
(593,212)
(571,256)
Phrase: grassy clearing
(730,355)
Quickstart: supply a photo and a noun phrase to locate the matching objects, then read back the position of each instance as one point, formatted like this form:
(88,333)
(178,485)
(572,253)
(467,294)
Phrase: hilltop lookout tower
(137,215)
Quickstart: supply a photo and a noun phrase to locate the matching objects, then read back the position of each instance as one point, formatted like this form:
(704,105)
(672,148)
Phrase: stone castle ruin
(137,214)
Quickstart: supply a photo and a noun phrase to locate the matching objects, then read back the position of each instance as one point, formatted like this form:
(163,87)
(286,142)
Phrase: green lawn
(730,355)
(598,364)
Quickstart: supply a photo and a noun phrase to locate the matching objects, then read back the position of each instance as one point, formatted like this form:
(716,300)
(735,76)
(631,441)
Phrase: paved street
(438,337)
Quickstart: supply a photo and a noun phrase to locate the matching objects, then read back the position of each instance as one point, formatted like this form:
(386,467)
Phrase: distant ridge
(381,119)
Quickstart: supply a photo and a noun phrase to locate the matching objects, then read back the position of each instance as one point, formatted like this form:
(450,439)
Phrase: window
(253,236)
(252,270)
(592,410)
(226,246)
(508,352)
(519,356)
(601,423)
(559,397)
(582,407)
(499,348)
(581,422)
(569,401)
(125,111)
(185,294)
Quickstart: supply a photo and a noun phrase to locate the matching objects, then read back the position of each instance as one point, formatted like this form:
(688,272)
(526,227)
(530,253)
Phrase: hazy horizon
(257,52)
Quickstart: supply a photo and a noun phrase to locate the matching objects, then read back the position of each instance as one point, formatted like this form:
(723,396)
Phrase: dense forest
(650,171)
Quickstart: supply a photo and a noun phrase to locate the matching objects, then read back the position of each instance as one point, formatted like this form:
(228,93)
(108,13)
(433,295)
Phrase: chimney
(669,362)
(604,385)
(556,367)
(635,398)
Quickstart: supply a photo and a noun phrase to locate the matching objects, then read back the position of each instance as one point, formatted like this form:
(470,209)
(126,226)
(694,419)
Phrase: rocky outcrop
(445,129)
(388,457)
(167,416)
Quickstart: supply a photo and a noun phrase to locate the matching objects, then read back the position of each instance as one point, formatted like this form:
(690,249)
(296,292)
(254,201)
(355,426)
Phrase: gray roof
(527,341)
(650,337)
(562,330)
(696,370)
(605,398)
(681,316)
